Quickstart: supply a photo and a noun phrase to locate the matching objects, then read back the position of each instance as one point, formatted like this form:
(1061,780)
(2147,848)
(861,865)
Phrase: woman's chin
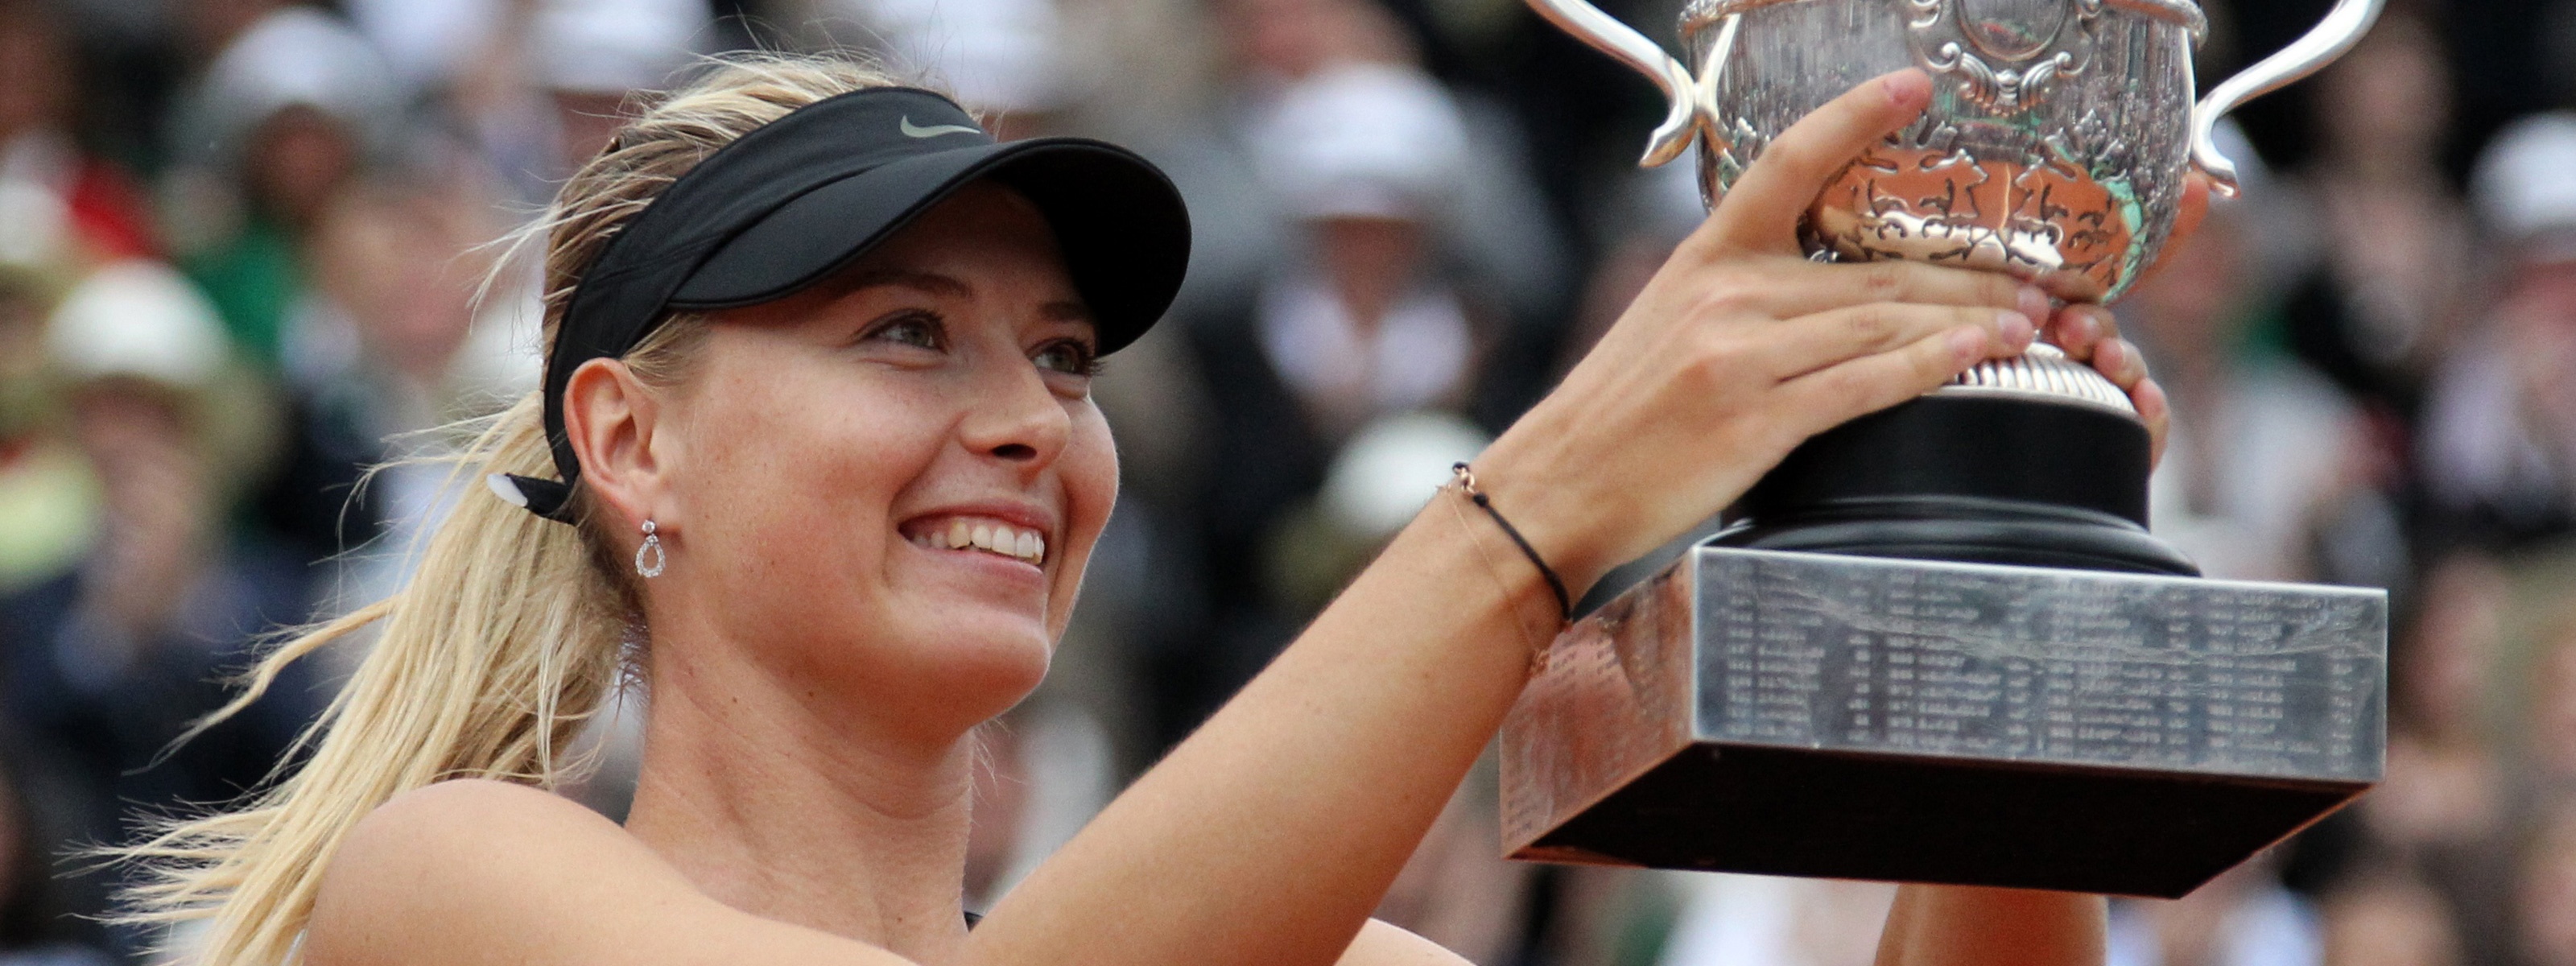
(984,652)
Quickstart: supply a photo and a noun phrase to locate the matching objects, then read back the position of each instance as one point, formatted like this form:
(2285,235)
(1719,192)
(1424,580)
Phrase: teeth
(991,537)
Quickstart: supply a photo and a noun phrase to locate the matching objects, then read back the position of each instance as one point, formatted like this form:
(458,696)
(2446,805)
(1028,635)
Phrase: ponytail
(511,633)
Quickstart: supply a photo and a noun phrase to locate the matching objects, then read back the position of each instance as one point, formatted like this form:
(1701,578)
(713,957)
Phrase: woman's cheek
(1087,474)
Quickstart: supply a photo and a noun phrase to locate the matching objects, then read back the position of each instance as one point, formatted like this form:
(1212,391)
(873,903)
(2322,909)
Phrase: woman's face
(830,450)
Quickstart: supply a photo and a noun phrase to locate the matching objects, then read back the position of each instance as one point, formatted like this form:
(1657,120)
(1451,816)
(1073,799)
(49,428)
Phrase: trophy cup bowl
(1938,643)
(2055,149)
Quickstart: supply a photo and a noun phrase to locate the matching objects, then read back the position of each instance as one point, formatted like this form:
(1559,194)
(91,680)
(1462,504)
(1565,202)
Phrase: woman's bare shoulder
(472,871)
(1383,944)
(470,810)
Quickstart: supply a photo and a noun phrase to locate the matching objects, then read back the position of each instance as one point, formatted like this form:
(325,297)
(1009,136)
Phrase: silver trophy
(2055,148)
(1938,643)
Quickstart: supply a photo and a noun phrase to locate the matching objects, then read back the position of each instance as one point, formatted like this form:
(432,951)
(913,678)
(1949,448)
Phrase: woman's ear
(609,416)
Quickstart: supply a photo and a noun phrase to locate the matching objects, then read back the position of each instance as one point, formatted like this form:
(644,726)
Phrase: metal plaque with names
(1905,720)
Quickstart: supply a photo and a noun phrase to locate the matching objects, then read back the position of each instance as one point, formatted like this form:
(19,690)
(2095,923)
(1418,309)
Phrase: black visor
(797,199)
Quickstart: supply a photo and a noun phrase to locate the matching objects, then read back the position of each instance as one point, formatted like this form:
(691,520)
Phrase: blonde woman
(823,466)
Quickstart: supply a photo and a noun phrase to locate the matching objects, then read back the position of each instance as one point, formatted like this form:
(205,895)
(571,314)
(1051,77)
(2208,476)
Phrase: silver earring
(652,545)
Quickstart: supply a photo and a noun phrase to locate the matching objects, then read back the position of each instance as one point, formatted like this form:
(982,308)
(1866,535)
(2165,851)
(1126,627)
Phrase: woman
(817,387)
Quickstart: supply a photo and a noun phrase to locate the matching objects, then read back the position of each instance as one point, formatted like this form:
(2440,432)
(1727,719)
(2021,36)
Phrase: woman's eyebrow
(1066,311)
(931,282)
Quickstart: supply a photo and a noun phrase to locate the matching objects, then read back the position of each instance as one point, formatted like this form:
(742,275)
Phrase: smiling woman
(816,454)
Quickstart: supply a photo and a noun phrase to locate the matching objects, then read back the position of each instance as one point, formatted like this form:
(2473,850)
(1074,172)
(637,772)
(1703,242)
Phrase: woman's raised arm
(1269,835)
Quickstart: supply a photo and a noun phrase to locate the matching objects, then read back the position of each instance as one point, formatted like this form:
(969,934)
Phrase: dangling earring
(652,545)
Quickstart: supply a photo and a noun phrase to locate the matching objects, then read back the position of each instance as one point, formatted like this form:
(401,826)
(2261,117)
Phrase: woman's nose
(1018,419)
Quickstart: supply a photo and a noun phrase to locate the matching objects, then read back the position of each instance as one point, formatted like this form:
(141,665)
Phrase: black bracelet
(1466,480)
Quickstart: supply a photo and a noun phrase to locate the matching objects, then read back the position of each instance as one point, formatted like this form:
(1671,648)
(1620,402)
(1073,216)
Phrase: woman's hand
(1739,350)
(2090,333)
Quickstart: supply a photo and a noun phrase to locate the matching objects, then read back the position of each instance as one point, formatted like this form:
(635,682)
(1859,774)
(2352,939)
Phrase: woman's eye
(912,328)
(1067,356)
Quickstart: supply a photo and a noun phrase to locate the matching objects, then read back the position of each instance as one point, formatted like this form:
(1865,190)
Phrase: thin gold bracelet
(1464,481)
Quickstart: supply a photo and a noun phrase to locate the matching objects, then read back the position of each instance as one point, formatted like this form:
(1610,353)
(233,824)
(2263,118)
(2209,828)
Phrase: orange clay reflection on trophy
(2051,224)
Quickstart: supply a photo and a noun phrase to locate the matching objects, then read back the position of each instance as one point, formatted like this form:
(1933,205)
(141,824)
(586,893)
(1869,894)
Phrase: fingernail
(1969,345)
(1908,89)
(2034,303)
(2016,328)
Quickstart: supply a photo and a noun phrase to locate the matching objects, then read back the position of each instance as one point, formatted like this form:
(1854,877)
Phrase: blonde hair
(511,633)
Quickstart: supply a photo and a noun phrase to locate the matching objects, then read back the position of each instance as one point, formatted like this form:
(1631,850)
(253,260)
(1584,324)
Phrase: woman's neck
(778,803)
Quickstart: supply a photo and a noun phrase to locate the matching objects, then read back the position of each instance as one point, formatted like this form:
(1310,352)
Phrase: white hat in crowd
(295,56)
(1362,140)
(614,46)
(2525,185)
(997,55)
(137,319)
(591,46)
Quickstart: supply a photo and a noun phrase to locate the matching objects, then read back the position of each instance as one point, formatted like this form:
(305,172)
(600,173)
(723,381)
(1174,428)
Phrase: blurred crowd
(249,251)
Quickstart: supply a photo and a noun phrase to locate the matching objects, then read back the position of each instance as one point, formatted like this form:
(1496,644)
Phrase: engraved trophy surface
(1938,643)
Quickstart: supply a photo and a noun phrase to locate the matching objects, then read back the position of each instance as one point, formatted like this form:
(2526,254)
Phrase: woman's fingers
(2119,360)
(1807,288)
(1761,212)
(2079,328)
(1824,340)
(2088,333)
(1829,397)
(2158,413)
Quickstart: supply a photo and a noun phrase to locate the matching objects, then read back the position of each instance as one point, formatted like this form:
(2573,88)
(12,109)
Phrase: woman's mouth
(983,534)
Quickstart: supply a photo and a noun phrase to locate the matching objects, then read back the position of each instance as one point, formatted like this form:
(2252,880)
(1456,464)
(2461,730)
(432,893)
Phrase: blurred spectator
(2389,919)
(396,266)
(2269,473)
(2549,741)
(591,55)
(2499,441)
(64,207)
(1360,319)
(536,86)
(1014,61)
(1491,226)
(34,929)
(2444,808)
(2397,244)
(1364,156)
(107,663)
(291,111)
(48,502)
(2546,901)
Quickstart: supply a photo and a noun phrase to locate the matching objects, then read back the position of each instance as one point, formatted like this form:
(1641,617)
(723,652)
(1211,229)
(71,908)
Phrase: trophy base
(1919,818)
(1968,476)
(1849,717)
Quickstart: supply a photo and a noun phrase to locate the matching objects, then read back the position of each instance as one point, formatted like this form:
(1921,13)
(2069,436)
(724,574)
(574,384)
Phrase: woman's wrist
(1464,481)
(1520,581)
(1554,518)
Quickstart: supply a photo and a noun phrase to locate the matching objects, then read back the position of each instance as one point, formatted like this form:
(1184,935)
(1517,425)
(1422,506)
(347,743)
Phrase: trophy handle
(1607,35)
(2332,38)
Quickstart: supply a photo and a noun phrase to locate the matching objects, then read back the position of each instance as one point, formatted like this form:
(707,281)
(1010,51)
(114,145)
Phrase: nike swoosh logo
(914,130)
